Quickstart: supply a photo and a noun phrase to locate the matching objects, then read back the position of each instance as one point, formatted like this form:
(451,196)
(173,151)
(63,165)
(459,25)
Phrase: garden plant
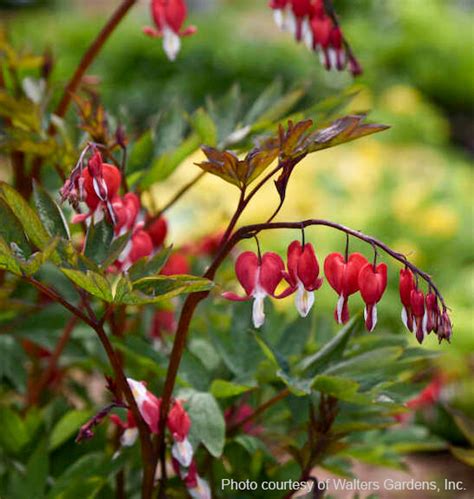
(171,387)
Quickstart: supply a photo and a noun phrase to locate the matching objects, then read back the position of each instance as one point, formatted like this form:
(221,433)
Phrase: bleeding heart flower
(169,17)
(417,301)
(303,275)
(197,487)
(179,425)
(177,264)
(126,209)
(406,286)
(343,278)
(147,403)
(130,430)
(372,283)
(158,230)
(433,313)
(445,329)
(163,322)
(259,279)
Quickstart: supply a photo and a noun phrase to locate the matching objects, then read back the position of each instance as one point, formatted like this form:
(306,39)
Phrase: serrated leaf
(207,422)
(67,427)
(221,388)
(28,218)
(50,213)
(90,281)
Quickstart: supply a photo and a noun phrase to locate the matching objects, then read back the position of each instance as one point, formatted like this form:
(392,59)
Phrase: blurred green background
(411,186)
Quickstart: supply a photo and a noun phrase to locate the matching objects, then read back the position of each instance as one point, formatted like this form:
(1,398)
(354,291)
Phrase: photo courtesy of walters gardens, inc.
(236,249)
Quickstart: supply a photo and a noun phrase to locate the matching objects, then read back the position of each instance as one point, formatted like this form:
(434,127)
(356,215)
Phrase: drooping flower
(310,21)
(445,329)
(417,300)
(169,17)
(177,264)
(259,278)
(432,312)
(179,425)
(158,230)
(197,487)
(343,276)
(129,428)
(147,403)
(303,275)
(372,283)
(97,185)
(163,322)
(126,209)
(406,286)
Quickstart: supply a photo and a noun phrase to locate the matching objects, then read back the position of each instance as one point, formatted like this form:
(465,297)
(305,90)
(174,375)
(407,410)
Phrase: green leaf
(223,389)
(14,435)
(29,219)
(115,249)
(158,288)
(67,426)
(279,108)
(50,213)
(141,153)
(148,267)
(203,125)
(298,386)
(98,240)
(33,264)
(90,281)
(207,422)
(11,230)
(252,444)
(12,362)
(37,472)
(341,388)
(7,260)
(332,350)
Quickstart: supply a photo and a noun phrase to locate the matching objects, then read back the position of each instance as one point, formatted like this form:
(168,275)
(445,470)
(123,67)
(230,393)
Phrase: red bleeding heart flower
(417,301)
(259,278)
(126,209)
(406,286)
(177,264)
(197,487)
(372,283)
(343,276)
(158,230)
(179,425)
(130,430)
(147,403)
(303,275)
(163,322)
(140,247)
(169,17)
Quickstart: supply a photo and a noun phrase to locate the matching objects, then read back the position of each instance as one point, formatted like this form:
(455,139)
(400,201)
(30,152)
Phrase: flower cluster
(169,17)
(260,276)
(310,22)
(97,185)
(421,313)
(178,424)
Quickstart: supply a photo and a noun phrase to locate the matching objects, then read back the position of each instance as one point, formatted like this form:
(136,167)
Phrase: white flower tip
(171,43)
(258,313)
(183,452)
(304,301)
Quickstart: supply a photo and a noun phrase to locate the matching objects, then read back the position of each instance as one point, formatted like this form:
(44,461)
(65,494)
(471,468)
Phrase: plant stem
(89,57)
